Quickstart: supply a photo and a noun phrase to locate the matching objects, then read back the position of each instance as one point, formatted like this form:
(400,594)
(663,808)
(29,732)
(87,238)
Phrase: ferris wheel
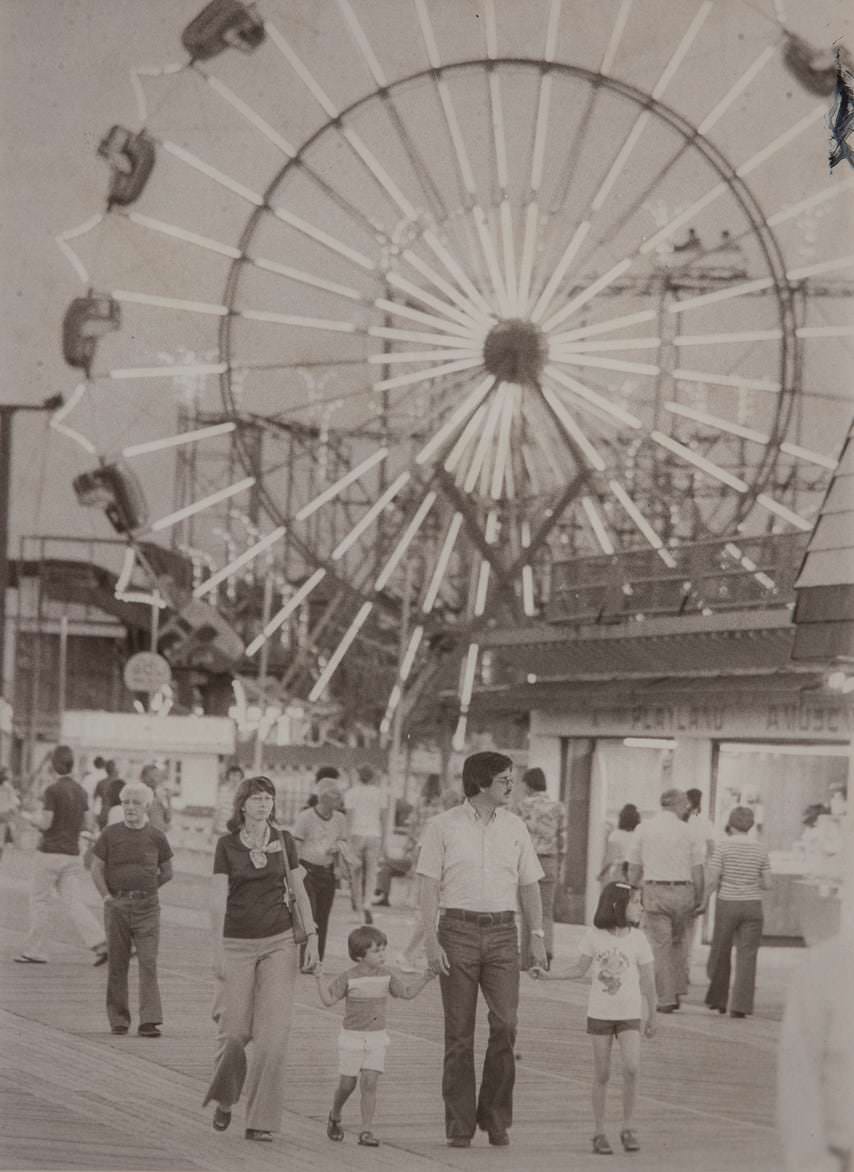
(462,290)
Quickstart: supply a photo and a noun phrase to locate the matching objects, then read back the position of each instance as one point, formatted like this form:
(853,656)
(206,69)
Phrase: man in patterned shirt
(546,822)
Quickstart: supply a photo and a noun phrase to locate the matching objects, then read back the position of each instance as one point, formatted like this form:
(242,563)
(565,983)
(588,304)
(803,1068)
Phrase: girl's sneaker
(629,1140)
(601,1147)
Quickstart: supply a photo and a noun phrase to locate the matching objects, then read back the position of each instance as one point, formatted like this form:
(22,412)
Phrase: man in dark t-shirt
(107,793)
(132,859)
(56,866)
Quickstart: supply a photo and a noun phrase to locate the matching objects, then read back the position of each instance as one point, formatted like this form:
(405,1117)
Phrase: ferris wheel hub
(515,351)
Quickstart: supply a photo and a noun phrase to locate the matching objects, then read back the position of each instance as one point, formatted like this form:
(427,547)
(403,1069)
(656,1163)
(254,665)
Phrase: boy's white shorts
(358,1050)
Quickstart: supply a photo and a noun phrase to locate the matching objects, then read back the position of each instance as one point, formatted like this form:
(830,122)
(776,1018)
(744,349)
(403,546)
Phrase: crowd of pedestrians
(478,861)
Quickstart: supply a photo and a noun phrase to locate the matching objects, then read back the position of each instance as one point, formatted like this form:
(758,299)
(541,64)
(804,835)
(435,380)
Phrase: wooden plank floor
(72,1096)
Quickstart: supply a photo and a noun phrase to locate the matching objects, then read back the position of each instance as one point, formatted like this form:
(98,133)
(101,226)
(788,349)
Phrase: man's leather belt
(670,882)
(482,919)
(132,894)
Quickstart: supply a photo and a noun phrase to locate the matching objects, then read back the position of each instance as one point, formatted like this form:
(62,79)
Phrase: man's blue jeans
(485,958)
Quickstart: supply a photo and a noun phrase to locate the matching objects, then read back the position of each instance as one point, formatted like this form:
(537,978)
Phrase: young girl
(622,977)
(363,1039)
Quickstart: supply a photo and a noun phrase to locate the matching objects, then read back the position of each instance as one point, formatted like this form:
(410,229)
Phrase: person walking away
(424,815)
(108,795)
(131,861)
(545,819)
(363,1039)
(476,860)
(9,805)
(664,852)
(90,779)
(614,865)
(320,833)
(56,865)
(739,871)
(704,832)
(255,959)
(160,810)
(622,995)
(364,803)
(815,1061)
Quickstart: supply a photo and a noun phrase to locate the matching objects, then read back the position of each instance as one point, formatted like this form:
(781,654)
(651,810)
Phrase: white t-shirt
(615,990)
(318,839)
(365,804)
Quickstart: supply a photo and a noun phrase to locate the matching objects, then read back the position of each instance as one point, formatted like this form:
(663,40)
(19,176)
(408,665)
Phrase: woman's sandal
(368,1140)
(601,1147)
(334,1129)
(629,1140)
(221,1117)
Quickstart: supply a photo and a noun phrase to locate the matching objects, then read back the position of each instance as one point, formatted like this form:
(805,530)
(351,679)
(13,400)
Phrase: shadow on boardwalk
(72,1096)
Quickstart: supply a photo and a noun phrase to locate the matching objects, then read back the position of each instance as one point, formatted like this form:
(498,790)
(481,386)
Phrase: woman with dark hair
(739,871)
(616,849)
(546,821)
(255,958)
(623,979)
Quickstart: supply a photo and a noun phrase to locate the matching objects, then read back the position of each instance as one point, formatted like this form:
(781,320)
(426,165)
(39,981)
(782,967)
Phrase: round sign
(146,672)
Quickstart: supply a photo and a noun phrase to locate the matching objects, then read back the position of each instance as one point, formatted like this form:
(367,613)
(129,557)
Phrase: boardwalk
(72,1096)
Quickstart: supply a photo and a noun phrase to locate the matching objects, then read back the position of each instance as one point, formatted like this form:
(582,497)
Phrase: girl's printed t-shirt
(615,990)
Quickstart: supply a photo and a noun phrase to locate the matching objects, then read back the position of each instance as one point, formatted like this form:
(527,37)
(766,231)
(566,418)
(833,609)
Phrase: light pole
(7,415)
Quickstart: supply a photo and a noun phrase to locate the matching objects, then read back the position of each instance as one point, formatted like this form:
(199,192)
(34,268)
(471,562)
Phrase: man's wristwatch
(538,932)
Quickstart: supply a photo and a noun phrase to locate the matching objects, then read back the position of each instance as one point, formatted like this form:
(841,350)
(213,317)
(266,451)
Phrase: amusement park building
(751,704)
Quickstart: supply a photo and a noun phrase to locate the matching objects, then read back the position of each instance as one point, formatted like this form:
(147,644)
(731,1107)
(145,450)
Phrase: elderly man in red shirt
(475,861)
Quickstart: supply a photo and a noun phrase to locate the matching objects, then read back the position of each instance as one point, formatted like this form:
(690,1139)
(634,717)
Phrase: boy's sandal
(221,1117)
(629,1140)
(334,1129)
(368,1140)
(601,1147)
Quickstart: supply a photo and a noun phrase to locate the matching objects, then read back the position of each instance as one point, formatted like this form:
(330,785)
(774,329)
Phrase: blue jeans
(486,959)
(738,922)
(128,922)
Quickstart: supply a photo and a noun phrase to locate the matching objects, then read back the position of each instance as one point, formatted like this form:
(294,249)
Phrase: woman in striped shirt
(739,871)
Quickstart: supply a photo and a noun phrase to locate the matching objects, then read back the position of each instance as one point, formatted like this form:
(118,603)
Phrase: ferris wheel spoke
(503,468)
(444,308)
(295,319)
(706,466)
(317,234)
(474,334)
(333,490)
(197,435)
(134,297)
(441,567)
(281,616)
(465,438)
(392,333)
(247,112)
(569,358)
(604,327)
(832,191)
(825,332)
(573,433)
(597,526)
(194,370)
(473,294)
(420,376)
(584,393)
(469,480)
(727,339)
(726,380)
(420,356)
(385,498)
(649,342)
(641,523)
(228,571)
(199,506)
(785,514)
(447,429)
(474,308)
(339,652)
(405,541)
(581,299)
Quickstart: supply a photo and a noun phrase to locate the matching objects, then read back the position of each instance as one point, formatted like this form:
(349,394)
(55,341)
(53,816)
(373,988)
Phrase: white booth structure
(191,750)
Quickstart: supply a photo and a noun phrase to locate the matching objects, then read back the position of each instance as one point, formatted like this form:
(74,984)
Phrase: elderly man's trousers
(132,922)
(485,959)
(668,919)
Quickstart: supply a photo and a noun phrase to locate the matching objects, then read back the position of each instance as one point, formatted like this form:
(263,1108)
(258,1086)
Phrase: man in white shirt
(364,803)
(668,856)
(475,860)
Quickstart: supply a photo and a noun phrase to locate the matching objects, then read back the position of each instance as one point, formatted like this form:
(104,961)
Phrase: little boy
(363,1039)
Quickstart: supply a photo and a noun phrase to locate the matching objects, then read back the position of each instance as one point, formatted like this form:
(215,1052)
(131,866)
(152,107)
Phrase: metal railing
(708,576)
